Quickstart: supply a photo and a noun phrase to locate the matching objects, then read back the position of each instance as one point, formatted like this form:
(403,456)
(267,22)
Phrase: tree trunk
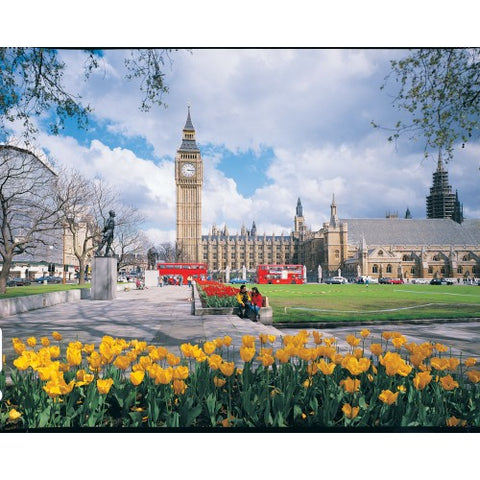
(4,274)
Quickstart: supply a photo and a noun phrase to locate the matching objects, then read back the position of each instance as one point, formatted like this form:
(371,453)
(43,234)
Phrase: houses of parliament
(442,245)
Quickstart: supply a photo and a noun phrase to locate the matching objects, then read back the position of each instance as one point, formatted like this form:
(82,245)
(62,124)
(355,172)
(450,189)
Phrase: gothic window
(389,268)
(465,258)
(442,270)
(337,254)
(474,269)
(405,258)
(435,258)
(430,269)
(380,253)
(412,270)
(459,269)
(375,269)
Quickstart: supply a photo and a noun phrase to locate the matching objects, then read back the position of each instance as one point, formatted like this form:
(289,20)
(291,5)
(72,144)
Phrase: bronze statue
(107,237)
(152,257)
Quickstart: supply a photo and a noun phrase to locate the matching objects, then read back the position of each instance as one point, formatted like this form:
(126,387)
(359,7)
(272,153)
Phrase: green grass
(340,303)
(36,289)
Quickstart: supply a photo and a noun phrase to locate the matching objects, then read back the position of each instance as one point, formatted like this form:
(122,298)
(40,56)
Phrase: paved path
(162,316)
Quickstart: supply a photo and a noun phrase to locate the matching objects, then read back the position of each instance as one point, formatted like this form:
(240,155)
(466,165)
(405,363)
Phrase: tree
(29,215)
(31,84)
(84,205)
(439,89)
(170,252)
(129,241)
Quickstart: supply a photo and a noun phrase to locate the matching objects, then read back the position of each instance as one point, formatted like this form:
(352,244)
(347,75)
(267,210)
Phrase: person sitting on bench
(244,302)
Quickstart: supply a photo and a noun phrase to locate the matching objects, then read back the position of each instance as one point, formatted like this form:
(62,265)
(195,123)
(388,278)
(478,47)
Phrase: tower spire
(333,213)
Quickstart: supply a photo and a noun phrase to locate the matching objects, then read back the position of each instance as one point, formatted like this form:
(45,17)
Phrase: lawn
(335,303)
(36,289)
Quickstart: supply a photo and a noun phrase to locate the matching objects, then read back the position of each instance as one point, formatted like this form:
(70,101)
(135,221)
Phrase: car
(18,282)
(237,280)
(440,281)
(49,279)
(336,280)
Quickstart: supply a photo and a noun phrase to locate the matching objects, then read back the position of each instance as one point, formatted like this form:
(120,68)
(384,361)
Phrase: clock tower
(189,181)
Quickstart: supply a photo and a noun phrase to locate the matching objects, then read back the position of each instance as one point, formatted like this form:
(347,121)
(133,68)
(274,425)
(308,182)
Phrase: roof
(402,231)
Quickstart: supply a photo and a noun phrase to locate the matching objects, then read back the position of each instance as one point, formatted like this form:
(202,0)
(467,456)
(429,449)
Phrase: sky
(272,125)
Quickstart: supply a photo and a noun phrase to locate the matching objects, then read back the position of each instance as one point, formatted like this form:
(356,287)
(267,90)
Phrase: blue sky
(272,125)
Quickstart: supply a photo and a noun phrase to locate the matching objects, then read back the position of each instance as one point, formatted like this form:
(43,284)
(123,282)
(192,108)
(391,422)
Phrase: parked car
(420,281)
(49,279)
(440,281)
(18,282)
(336,280)
(237,280)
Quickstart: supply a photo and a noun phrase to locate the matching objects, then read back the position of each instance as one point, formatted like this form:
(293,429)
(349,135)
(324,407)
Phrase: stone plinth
(151,278)
(104,278)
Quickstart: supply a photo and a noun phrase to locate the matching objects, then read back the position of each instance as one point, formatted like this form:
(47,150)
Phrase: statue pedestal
(104,278)
(151,278)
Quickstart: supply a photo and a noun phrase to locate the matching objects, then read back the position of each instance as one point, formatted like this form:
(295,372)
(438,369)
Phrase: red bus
(280,274)
(171,270)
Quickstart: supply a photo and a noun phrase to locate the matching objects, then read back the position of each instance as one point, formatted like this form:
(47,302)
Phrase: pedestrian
(257,302)
(159,281)
(244,302)
(189,280)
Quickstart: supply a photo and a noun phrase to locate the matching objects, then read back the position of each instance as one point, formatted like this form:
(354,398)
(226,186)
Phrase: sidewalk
(162,316)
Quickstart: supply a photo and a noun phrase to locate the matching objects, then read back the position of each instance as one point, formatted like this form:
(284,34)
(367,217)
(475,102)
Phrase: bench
(265,312)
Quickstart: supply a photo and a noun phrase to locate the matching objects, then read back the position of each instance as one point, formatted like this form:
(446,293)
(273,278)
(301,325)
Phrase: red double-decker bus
(280,274)
(173,270)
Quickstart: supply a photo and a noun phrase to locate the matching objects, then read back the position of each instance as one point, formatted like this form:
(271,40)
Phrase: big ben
(189,181)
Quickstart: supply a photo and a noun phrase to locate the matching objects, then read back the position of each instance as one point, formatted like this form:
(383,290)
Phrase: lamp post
(64,256)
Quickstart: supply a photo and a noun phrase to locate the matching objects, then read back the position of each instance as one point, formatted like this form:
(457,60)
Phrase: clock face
(188,170)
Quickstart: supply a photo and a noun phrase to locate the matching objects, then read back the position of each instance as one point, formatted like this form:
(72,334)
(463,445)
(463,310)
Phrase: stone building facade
(442,245)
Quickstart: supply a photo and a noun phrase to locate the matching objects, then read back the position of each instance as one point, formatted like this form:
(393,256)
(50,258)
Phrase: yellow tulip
(439,363)
(14,415)
(453,364)
(45,341)
(179,387)
(455,422)
(271,338)
(164,376)
(227,368)
(365,332)
(137,377)
(474,376)
(349,411)
(74,356)
(387,335)
(18,346)
(266,359)
(317,337)
(352,340)
(122,362)
(388,397)
(439,347)
(219,382)
(187,350)
(394,364)
(248,341)
(56,336)
(376,349)
(398,342)
(354,366)
(227,341)
(421,380)
(95,361)
(448,383)
(172,359)
(214,361)
(350,385)
(83,378)
(282,355)
(470,362)
(104,385)
(180,373)
(326,368)
(22,362)
(209,347)
(247,353)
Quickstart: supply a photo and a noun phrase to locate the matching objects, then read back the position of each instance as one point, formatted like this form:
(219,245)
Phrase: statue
(107,237)
(152,257)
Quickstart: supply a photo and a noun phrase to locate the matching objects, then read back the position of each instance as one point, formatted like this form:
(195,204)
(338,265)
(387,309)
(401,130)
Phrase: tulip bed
(215,294)
(304,383)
